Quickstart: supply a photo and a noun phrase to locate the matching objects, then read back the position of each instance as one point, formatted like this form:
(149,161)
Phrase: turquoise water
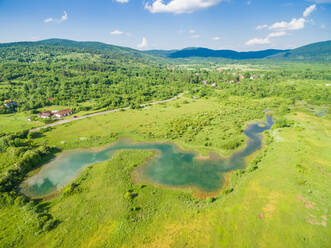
(172,167)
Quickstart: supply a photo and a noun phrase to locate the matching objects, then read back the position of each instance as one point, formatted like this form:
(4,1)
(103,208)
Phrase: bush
(228,190)
(281,123)
(210,199)
(130,195)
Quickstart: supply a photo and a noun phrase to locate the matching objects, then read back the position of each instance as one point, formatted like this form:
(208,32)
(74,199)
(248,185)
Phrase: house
(219,70)
(10,103)
(214,84)
(241,77)
(45,115)
(205,82)
(63,113)
(251,78)
(231,82)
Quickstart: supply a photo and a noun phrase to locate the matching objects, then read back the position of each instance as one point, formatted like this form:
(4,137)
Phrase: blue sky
(170,24)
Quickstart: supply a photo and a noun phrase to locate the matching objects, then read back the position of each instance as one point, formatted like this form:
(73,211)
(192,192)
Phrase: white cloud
(276,34)
(48,20)
(257,41)
(191,31)
(294,24)
(143,43)
(261,26)
(216,38)
(322,26)
(309,10)
(179,6)
(62,19)
(195,36)
(122,1)
(116,32)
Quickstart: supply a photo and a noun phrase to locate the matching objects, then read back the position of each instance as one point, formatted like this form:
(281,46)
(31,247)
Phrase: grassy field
(204,125)
(10,123)
(284,203)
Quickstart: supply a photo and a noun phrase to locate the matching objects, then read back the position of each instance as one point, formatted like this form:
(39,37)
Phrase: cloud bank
(281,28)
(179,6)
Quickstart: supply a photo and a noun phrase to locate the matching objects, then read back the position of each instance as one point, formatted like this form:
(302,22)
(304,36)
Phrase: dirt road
(102,113)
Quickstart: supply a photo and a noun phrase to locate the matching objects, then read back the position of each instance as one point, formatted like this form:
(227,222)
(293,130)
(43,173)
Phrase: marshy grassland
(281,199)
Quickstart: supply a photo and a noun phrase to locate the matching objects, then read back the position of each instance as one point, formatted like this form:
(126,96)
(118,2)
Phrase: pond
(171,167)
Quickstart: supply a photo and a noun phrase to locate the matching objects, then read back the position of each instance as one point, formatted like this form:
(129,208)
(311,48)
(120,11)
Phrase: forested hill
(320,51)
(70,73)
(227,54)
(51,48)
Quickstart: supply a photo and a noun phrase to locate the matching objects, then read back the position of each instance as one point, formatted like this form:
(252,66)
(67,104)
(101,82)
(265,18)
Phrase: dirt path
(103,112)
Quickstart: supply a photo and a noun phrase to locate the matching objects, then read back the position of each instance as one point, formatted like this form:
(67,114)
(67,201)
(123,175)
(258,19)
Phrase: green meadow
(205,125)
(283,201)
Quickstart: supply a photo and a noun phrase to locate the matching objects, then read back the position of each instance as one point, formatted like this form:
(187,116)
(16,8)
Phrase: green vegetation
(281,199)
(320,51)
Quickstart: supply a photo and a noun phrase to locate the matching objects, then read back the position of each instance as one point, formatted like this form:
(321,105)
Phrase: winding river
(172,167)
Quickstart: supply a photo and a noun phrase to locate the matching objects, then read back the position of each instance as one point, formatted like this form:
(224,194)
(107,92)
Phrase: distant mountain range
(205,52)
(320,51)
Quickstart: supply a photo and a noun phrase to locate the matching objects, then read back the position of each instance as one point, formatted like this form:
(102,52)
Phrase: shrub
(228,190)
(210,199)
(130,195)
(281,123)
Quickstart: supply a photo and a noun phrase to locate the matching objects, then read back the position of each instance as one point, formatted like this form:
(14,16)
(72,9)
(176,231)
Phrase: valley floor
(285,201)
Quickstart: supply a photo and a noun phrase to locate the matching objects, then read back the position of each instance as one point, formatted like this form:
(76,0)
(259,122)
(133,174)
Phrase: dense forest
(57,72)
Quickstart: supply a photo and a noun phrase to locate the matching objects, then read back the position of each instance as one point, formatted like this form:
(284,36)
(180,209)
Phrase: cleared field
(10,123)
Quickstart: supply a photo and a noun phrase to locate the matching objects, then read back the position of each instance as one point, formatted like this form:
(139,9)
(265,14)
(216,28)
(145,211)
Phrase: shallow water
(172,167)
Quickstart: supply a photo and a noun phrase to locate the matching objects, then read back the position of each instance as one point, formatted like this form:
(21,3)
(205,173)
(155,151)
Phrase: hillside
(51,48)
(45,49)
(228,54)
(320,51)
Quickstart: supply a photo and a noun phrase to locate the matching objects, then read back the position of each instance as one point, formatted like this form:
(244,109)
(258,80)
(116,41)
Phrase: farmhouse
(63,113)
(45,115)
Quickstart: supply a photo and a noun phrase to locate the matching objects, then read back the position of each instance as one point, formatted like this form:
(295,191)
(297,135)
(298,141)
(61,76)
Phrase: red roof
(64,111)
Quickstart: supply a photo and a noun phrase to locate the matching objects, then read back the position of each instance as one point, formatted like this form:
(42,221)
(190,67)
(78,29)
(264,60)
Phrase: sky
(240,25)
